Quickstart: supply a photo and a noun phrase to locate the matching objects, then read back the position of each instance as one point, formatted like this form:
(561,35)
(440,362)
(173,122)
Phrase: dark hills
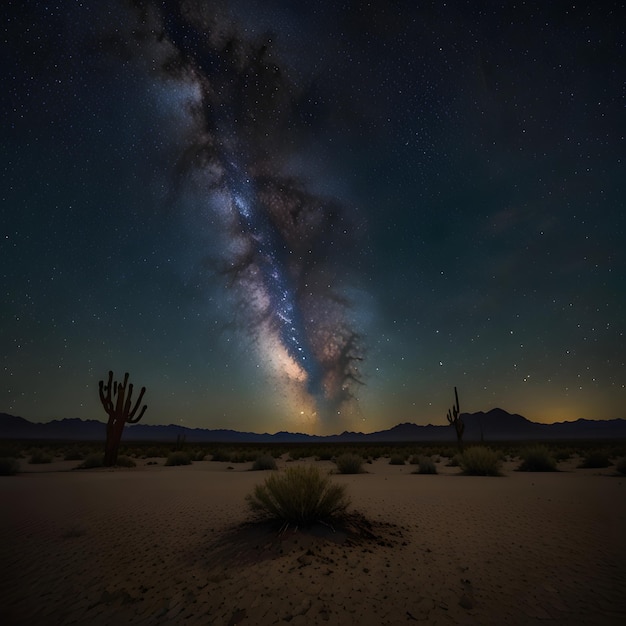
(495,425)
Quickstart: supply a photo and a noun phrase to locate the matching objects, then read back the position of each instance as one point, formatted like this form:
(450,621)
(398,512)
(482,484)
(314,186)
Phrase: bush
(40,456)
(221,456)
(178,457)
(91,461)
(480,461)
(396,459)
(620,466)
(348,463)
(426,466)
(125,461)
(264,462)
(537,459)
(199,455)
(73,454)
(9,466)
(595,459)
(301,495)
(455,461)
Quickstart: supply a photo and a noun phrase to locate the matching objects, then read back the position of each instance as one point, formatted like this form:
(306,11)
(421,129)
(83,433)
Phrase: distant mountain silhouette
(495,425)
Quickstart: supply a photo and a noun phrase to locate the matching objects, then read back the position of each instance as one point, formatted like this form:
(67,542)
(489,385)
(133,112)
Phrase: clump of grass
(264,462)
(220,455)
(620,466)
(426,466)
(595,459)
(396,459)
(39,456)
(178,457)
(125,461)
(9,466)
(348,463)
(91,461)
(480,461)
(73,454)
(301,496)
(537,459)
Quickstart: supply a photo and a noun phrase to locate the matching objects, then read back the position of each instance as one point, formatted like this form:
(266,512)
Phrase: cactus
(119,412)
(455,419)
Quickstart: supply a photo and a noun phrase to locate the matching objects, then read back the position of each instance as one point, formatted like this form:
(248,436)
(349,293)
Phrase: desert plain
(176,545)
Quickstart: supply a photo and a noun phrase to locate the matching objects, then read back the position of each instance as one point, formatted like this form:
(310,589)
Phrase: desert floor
(170,545)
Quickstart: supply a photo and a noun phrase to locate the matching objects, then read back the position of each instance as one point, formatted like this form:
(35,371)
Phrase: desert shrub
(537,459)
(595,459)
(620,466)
(125,461)
(73,454)
(91,461)
(415,459)
(562,454)
(9,466)
(301,495)
(153,452)
(178,457)
(426,466)
(264,462)
(222,456)
(39,456)
(348,463)
(454,461)
(199,455)
(480,461)
(326,454)
(396,459)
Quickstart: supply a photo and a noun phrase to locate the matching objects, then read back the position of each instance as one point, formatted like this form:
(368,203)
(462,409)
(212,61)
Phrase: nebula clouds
(287,253)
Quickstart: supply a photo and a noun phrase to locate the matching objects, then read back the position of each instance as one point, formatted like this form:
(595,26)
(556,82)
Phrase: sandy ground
(168,545)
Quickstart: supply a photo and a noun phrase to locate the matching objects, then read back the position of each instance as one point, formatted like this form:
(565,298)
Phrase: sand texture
(169,545)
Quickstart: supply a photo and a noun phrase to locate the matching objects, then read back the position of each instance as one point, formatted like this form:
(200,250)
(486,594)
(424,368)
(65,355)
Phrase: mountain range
(494,425)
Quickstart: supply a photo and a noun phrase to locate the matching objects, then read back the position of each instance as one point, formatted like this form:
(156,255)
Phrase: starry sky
(315,216)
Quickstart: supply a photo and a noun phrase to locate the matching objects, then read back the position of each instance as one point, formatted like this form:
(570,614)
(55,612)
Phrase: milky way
(285,249)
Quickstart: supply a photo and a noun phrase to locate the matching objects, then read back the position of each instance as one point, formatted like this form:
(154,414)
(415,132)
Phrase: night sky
(313,216)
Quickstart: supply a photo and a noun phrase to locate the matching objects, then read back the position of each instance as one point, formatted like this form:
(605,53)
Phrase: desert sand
(170,545)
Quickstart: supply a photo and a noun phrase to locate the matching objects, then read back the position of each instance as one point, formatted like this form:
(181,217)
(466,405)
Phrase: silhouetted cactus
(455,419)
(119,412)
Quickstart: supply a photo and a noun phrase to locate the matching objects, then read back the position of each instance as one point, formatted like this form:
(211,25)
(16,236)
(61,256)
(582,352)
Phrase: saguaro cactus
(455,419)
(119,412)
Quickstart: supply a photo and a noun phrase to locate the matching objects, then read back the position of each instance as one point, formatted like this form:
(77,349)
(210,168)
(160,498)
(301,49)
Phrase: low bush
(178,457)
(73,454)
(264,462)
(537,459)
(426,466)
(91,461)
(595,459)
(396,459)
(9,466)
(454,461)
(125,461)
(480,461)
(620,466)
(40,456)
(221,456)
(348,463)
(301,495)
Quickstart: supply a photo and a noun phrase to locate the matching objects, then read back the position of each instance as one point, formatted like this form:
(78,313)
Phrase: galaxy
(313,218)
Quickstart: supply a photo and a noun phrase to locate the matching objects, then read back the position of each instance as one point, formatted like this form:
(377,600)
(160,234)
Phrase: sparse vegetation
(480,461)
(301,495)
(537,459)
(39,456)
(178,457)
(264,462)
(125,461)
(426,466)
(349,463)
(396,459)
(9,466)
(595,459)
(92,461)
